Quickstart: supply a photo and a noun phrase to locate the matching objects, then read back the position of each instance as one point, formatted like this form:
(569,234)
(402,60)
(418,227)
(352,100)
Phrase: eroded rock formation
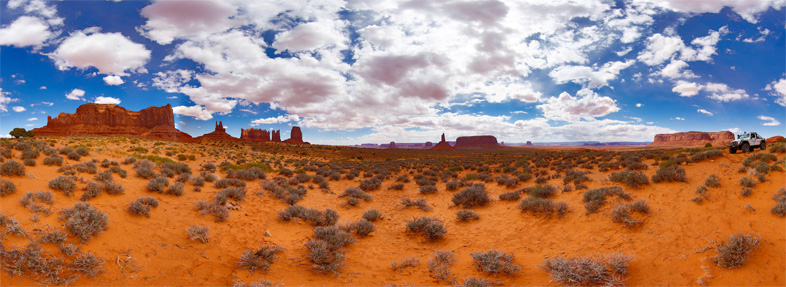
(219,134)
(477,142)
(774,139)
(295,136)
(276,136)
(428,145)
(255,135)
(443,144)
(156,123)
(693,139)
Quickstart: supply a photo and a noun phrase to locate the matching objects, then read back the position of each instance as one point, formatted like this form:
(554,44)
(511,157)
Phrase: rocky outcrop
(219,134)
(529,143)
(276,136)
(392,145)
(254,135)
(442,145)
(428,145)
(774,139)
(157,123)
(477,142)
(693,139)
(295,136)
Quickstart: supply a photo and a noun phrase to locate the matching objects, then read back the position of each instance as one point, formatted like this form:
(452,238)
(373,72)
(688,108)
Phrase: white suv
(745,142)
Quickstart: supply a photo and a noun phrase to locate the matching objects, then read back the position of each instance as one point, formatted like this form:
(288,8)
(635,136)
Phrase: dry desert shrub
(778,148)
(362,227)
(670,173)
(88,263)
(621,214)
(609,270)
(11,225)
(84,221)
(324,249)
(233,193)
(218,210)
(372,215)
(543,206)
(355,195)
(594,199)
(780,205)
(12,168)
(510,196)
(472,196)
(630,178)
(466,215)
(710,154)
(63,183)
(246,174)
(737,250)
(420,203)
(406,263)
(142,206)
(427,189)
(261,258)
(316,217)
(34,201)
(495,262)
(157,184)
(7,187)
(478,282)
(439,264)
(431,227)
(747,181)
(712,181)
(397,186)
(227,182)
(540,191)
(259,283)
(53,160)
(56,237)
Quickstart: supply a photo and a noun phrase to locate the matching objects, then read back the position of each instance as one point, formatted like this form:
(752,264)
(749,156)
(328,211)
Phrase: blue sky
(352,72)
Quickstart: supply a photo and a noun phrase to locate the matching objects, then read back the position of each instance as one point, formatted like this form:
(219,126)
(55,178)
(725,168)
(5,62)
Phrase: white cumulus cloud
(706,112)
(586,105)
(107,100)
(276,120)
(25,31)
(193,111)
(19,109)
(110,53)
(113,80)
(778,89)
(76,95)
(770,121)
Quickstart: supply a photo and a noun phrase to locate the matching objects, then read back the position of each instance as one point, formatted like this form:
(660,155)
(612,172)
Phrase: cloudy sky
(360,71)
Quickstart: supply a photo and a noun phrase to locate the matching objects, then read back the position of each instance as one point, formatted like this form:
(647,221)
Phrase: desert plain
(535,205)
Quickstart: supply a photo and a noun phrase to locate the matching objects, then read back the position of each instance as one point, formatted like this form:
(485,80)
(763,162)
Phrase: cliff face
(477,142)
(693,139)
(774,139)
(254,135)
(219,134)
(107,120)
(296,136)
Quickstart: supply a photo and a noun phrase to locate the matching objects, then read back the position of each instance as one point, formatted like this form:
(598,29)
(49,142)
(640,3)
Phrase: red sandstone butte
(219,134)
(442,145)
(296,136)
(156,123)
(254,135)
(693,139)
(477,142)
(276,136)
(774,139)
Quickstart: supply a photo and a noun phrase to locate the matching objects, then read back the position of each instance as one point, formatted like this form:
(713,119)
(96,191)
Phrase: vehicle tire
(732,150)
(763,146)
(745,148)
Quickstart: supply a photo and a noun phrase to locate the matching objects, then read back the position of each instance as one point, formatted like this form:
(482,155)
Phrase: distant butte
(693,139)
(156,123)
(477,142)
(219,134)
(442,145)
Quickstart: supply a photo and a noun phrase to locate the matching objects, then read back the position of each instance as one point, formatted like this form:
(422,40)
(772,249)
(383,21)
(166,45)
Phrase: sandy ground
(669,248)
